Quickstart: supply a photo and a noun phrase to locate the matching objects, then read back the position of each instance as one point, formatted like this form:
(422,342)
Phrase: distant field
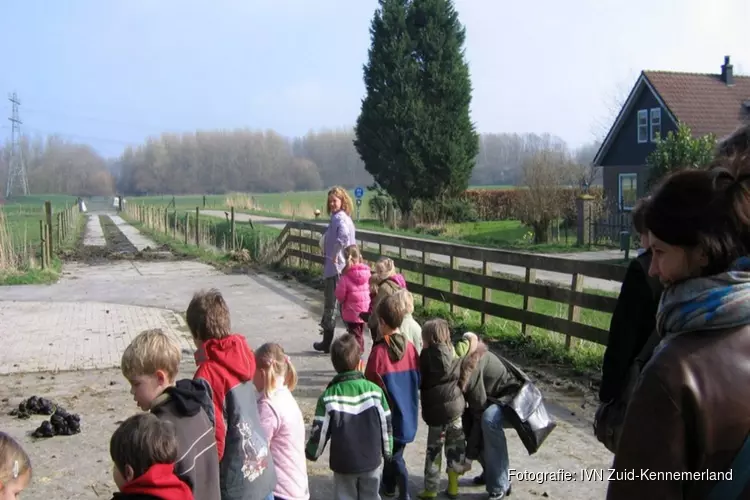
(23,213)
(298,203)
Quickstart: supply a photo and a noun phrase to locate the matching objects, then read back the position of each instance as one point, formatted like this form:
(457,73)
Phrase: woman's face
(672,264)
(334,203)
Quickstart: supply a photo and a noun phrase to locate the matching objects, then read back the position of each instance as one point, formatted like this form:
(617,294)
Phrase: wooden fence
(56,227)
(299,243)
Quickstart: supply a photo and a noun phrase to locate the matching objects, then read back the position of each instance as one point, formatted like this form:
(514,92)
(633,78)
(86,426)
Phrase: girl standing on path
(282,421)
(339,235)
(353,293)
(690,411)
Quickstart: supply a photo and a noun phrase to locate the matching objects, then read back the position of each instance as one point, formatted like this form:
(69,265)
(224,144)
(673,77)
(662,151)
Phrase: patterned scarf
(707,303)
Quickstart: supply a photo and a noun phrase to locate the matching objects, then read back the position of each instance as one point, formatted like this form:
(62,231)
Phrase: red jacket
(226,368)
(158,482)
(353,292)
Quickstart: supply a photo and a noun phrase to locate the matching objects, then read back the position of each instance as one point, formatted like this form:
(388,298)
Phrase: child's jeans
(395,473)
(358,330)
(357,486)
(452,436)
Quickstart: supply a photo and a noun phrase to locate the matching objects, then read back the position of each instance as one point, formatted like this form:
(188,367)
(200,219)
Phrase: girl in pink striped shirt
(281,419)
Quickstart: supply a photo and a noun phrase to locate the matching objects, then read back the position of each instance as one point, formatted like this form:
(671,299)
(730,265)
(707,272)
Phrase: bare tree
(542,201)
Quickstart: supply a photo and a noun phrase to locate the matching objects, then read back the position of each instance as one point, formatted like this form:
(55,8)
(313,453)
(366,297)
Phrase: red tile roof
(703,101)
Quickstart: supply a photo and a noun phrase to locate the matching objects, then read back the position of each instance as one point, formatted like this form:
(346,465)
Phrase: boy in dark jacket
(353,413)
(226,366)
(393,365)
(150,363)
(144,452)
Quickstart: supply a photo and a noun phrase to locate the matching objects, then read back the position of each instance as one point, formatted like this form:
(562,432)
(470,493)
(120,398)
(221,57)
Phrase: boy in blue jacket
(393,364)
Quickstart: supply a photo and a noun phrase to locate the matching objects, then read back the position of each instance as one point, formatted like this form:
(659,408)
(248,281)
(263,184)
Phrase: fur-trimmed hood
(470,362)
(483,375)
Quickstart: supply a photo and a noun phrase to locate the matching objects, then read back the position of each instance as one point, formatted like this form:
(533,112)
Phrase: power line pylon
(17,172)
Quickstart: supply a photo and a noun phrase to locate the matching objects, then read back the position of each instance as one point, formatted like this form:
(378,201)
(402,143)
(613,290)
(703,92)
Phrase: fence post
(43,249)
(424,277)
(584,205)
(174,227)
(528,302)
(187,226)
(48,216)
(486,292)
(232,233)
(58,216)
(574,312)
(454,284)
(197,227)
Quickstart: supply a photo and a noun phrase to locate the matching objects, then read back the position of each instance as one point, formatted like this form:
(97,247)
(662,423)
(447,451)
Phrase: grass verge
(32,274)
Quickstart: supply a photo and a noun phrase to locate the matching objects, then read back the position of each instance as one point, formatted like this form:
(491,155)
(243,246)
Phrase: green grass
(23,214)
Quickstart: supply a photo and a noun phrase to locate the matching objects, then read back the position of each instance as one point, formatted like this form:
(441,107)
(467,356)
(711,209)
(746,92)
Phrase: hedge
(499,204)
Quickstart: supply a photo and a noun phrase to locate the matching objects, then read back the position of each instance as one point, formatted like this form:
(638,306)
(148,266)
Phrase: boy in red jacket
(226,367)
(144,451)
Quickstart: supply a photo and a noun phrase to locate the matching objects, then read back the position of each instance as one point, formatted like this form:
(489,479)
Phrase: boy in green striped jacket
(354,414)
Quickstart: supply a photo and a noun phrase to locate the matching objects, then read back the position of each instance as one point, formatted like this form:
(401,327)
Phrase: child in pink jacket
(353,293)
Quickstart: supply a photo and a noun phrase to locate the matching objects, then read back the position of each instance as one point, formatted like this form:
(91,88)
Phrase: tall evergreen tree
(414,132)
(388,117)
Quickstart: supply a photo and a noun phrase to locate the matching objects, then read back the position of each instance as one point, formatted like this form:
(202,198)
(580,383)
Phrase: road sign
(359,192)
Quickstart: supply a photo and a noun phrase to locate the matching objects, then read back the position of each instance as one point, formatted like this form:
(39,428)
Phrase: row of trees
(55,165)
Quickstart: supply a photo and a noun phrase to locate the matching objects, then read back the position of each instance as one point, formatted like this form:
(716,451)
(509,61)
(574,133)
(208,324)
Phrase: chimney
(726,72)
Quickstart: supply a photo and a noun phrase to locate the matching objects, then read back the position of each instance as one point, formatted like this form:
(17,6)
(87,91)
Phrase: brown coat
(689,413)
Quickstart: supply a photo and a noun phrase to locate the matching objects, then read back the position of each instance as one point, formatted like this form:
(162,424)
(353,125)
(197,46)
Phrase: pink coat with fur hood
(353,292)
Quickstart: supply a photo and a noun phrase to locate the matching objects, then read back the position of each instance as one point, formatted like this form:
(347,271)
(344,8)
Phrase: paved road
(548,276)
(142,294)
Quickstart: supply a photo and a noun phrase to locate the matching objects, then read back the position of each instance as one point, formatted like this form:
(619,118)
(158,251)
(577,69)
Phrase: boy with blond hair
(144,450)
(226,367)
(409,326)
(150,363)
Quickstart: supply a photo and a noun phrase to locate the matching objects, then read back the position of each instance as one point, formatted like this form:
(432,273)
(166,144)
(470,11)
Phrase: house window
(628,191)
(642,125)
(655,124)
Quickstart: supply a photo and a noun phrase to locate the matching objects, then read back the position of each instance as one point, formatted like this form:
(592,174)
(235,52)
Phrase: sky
(113,72)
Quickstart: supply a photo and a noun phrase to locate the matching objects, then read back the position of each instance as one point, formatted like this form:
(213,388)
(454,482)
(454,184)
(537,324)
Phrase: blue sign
(359,192)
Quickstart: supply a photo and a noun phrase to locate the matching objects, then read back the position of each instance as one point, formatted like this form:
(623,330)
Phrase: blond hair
(271,358)
(436,331)
(150,351)
(14,462)
(207,316)
(405,300)
(385,268)
(346,201)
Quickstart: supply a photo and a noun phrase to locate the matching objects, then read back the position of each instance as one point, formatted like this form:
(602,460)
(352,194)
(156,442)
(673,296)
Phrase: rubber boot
(325,344)
(452,490)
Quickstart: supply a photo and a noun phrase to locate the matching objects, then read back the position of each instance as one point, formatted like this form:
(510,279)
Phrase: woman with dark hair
(631,336)
(689,415)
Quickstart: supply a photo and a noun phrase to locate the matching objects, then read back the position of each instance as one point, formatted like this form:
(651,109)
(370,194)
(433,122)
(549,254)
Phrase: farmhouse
(659,100)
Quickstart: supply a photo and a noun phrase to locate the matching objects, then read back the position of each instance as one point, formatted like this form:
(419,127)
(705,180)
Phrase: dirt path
(264,308)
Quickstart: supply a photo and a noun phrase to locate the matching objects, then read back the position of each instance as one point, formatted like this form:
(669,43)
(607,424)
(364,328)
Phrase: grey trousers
(363,486)
(328,321)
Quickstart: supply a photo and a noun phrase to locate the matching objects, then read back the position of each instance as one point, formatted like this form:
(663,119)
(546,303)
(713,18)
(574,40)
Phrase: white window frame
(642,116)
(655,113)
(620,199)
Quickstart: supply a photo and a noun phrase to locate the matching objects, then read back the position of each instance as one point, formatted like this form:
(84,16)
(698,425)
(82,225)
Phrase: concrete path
(135,237)
(548,276)
(94,235)
(264,310)
(78,335)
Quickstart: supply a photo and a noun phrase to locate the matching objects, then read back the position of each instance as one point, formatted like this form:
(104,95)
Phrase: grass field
(508,234)
(20,238)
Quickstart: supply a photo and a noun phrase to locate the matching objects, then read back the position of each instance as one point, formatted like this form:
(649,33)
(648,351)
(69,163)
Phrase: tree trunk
(541,230)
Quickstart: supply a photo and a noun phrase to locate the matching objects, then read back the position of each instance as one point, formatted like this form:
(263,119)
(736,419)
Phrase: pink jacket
(353,292)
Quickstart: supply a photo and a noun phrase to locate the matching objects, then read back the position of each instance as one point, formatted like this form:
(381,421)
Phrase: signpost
(359,192)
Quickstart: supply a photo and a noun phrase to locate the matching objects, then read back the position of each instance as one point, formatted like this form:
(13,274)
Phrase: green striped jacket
(353,414)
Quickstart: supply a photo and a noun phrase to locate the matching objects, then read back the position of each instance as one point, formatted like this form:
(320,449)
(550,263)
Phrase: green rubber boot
(452,490)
